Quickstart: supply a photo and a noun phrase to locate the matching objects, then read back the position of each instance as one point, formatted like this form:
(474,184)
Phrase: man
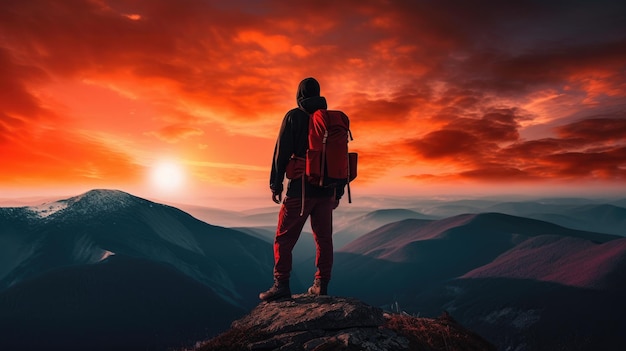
(319,201)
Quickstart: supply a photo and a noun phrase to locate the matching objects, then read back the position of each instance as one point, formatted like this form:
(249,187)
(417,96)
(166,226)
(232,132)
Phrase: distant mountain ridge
(467,264)
(524,282)
(370,221)
(409,231)
(601,217)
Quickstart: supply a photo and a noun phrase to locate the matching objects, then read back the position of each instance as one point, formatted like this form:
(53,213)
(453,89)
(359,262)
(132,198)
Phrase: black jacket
(293,140)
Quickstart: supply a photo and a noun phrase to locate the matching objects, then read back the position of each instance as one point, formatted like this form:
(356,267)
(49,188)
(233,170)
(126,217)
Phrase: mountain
(525,208)
(564,260)
(578,214)
(120,303)
(348,229)
(603,218)
(505,277)
(215,216)
(440,211)
(306,322)
(108,270)
(81,233)
(360,225)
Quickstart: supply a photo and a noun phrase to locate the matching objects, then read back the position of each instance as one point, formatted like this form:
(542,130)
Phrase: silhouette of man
(319,202)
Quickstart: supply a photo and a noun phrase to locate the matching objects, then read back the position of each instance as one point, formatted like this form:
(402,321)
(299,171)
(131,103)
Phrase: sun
(167,176)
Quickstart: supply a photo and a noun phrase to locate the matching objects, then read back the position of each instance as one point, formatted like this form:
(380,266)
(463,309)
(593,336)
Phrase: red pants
(290,225)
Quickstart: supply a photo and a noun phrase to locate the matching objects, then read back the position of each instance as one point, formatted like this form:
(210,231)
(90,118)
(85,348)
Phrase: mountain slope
(219,271)
(468,265)
(603,218)
(564,260)
(360,225)
(102,221)
(581,215)
(121,303)
(410,253)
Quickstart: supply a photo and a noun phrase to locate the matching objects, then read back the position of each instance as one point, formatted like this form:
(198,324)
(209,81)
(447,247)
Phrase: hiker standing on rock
(302,199)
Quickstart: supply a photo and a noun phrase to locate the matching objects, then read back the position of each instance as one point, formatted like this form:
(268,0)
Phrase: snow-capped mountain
(106,268)
(110,234)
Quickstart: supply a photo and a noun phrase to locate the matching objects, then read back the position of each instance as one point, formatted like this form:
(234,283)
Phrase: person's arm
(282,153)
(338,194)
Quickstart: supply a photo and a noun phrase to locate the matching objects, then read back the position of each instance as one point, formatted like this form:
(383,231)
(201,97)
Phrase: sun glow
(167,176)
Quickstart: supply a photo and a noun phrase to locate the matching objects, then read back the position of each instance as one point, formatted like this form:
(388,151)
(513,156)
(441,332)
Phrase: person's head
(308,87)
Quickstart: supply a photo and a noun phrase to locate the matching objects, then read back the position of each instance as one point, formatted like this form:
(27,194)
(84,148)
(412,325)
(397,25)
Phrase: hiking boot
(320,287)
(279,290)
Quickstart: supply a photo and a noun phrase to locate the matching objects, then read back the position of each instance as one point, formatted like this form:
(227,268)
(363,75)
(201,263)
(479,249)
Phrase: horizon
(182,104)
(242,204)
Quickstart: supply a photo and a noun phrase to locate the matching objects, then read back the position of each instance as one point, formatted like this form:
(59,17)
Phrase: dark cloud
(608,165)
(595,130)
(497,126)
(533,148)
(472,145)
(497,173)
(469,139)
(449,144)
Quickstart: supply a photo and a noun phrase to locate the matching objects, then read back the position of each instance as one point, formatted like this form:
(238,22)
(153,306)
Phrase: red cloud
(496,126)
(175,133)
(608,165)
(57,157)
(432,83)
(596,130)
(448,143)
(498,174)
(476,150)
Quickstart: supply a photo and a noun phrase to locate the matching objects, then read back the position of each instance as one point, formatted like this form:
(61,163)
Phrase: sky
(181,100)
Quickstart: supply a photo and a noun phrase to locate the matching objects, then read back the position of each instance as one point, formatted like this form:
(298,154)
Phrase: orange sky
(445,97)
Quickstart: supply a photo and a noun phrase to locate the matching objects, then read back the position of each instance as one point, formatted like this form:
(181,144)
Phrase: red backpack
(328,162)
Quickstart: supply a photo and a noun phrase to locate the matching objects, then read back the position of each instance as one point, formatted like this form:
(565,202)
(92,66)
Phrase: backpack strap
(302,204)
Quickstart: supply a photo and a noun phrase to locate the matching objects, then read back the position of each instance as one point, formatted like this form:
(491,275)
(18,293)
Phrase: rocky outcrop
(312,323)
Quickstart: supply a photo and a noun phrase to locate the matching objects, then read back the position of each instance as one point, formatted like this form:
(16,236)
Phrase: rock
(308,312)
(319,323)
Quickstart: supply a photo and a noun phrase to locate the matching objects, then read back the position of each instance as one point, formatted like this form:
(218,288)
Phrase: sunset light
(145,147)
(446,97)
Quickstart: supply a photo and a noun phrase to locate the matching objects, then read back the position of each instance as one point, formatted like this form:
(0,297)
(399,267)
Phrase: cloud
(590,149)
(19,107)
(497,174)
(607,165)
(59,158)
(448,143)
(175,133)
(448,84)
(596,130)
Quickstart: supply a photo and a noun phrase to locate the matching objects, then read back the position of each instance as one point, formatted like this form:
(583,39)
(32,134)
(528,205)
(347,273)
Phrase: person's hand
(336,204)
(277,196)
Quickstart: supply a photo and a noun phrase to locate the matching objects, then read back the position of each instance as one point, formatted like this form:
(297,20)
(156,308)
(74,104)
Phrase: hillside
(502,276)
(112,234)
(129,272)
(360,225)
(120,303)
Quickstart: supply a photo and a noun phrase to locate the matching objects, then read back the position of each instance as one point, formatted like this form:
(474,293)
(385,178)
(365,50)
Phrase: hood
(308,95)
(308,87)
